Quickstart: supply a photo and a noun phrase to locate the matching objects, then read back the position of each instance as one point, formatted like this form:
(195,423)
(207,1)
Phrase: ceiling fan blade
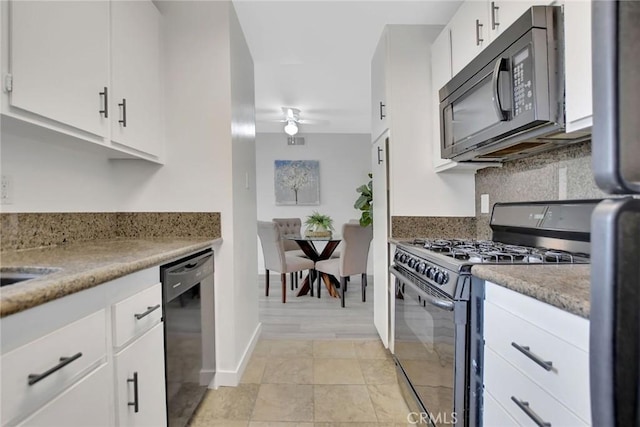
(313,122)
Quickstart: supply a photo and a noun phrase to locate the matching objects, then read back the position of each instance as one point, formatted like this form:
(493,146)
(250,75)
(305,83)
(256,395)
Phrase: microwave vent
(518,148)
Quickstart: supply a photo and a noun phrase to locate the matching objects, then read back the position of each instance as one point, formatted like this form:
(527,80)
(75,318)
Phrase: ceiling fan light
(291,128)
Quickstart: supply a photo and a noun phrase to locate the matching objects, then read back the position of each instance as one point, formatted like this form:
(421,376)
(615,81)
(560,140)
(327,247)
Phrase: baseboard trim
(232,378)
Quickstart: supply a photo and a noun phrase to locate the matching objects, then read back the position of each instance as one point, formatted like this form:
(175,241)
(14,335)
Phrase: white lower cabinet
(86,404)
(140,387)
(70,361)
(536,362)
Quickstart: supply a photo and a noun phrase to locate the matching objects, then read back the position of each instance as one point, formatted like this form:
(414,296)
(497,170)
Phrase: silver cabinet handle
(546,364)
(135,402)
(123,106)
(494,21)
(479,38)
(105,94)
(382,115)
(530,413)
(379,152)
(64,361)
(146,313)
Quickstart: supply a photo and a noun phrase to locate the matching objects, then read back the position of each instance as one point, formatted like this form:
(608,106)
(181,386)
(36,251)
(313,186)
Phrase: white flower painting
(297,182)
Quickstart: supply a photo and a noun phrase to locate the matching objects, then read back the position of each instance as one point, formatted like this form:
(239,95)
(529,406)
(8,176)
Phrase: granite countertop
(564,286)
(84,265)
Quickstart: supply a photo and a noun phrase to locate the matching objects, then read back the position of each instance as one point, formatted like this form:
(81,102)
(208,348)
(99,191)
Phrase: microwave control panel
(522,74)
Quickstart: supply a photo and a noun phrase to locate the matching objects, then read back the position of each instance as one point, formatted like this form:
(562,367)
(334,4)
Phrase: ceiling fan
(293,120)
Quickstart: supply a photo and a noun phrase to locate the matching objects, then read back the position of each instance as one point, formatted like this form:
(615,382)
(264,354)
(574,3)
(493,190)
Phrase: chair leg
(266,284)
(343,285)
(312,279)
(283,278)
(291,278)
(319,282)
(364,287)
(296,276)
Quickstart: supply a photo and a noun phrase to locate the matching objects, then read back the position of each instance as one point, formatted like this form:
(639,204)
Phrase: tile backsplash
(30,230)
(560,174)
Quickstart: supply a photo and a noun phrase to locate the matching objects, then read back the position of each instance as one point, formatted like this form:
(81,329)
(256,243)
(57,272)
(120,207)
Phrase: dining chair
(290,227)
(275,257)
(353,258)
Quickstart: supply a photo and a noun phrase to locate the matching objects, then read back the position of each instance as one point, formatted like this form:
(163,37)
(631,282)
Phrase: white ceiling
(316,56)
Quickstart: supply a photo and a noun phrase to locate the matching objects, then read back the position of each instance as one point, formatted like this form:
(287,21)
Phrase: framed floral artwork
(297,182)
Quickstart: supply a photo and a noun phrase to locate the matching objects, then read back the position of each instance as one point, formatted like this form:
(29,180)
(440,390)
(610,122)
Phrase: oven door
(426,351)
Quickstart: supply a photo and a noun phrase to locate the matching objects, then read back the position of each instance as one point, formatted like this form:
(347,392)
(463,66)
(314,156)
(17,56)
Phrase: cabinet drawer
(493,414)
(136,314)
(503,382)
(85,337)
(84,404)
(568,378)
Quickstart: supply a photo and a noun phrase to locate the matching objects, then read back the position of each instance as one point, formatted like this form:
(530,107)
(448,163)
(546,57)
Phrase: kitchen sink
(13,276)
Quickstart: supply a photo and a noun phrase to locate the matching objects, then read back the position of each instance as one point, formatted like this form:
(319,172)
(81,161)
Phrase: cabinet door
(380,170)
(135,64)
(503,13)
(577,31)
(469,33)
(58,59)
(378,89)
(84,404)
(140,367)
(440,75)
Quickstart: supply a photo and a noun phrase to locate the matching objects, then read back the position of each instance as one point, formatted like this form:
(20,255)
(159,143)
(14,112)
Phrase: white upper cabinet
(440,75)
(86,69)
(135,65)
(379,121)
(58,61)
(503,13)
(469,33)
(578,77)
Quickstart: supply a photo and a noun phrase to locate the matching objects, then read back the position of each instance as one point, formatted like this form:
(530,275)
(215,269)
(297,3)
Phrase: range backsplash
(536,178)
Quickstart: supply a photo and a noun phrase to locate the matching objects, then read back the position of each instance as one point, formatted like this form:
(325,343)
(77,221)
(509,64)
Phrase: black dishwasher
(187,295)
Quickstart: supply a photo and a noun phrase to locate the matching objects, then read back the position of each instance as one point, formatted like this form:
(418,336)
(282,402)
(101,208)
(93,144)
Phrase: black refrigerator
(615,224)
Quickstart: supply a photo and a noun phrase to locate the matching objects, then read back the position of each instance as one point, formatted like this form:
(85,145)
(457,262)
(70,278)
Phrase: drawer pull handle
(134,380)
(64,361)
(146,313)
(530,413)
(546,364)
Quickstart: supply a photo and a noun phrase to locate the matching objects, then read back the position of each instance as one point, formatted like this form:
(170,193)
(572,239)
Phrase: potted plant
(318,225)
(365,202)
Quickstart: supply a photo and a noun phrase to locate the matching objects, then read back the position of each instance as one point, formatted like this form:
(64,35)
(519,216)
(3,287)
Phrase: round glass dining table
(307,244)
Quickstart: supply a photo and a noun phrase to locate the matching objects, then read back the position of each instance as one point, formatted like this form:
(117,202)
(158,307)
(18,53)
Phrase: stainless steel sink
(13,276)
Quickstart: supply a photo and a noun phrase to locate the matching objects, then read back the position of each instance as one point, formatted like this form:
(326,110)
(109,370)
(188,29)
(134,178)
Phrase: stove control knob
(403,258)
(440,278)
(397,255)
(446,277)
(431,273)
(421,267)
(412,262)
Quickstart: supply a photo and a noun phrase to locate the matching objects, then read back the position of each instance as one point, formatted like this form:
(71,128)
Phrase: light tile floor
(310,384)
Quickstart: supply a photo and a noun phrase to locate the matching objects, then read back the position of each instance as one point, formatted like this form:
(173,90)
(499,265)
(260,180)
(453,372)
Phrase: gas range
(547,233)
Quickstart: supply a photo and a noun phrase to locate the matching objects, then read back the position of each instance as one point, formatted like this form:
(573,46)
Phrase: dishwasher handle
(437,302)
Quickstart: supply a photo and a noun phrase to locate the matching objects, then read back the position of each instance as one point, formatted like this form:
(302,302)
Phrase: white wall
(345,161)
(415,188)
(245,228)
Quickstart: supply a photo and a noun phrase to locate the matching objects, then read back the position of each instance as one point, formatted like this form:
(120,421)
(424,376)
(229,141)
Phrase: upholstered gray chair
(353,258)
(275,258)
(290,227)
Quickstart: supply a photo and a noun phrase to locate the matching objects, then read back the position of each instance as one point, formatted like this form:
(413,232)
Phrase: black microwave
(508,102)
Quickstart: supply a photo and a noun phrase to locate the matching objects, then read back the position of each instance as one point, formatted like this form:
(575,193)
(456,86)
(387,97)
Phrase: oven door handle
(438,302)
